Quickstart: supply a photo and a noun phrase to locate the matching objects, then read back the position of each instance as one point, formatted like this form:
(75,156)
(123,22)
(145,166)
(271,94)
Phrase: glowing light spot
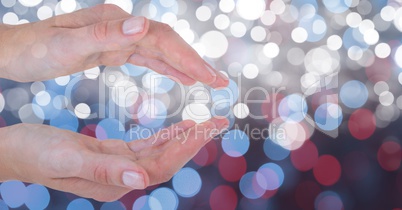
(250,71)
(30,3)
(10,18)
(116,205)
(271,50)
(355,53)
(238,29)
(197,112)
(126,5)
(80,204)
(38,197)
(258,34)
(362,124)
(398,56)
(203,13)
(371,37)
(250,10)
(65,120)
(389,156)
(328,116)
(337,6)
(241,110)
(92,73)
(249,186)
(187,182)
(110,129)
(8,3)
(166,198)
(334,42)
(82,111)
(268,18)
(386,98)
(221,21)
(327,171)
(305,158)
(353,19)
(274,151)
(328,200)
(299,35)
(44,12)
(215,44)
(144,203)
(31,113)
(227,6)
(223,197)
(2,102)
(235,143)
(225,97)
(354,94)
(14,193)
(270,176)
(388,13)
(68,5)
(293,108)
(382,50)
(232,168)
(277,7)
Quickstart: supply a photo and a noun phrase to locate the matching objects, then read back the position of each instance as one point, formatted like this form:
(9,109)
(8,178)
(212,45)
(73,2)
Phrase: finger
(174,51)
(88,16)
(88,189)
(114,170)
(179,151)
(106,36)
(162,136)
(162,68)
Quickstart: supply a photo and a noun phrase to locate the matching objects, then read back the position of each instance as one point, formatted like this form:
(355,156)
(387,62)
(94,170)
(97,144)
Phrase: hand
(101,35)
(103,170)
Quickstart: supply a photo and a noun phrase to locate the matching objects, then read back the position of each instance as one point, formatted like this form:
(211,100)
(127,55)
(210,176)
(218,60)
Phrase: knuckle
(101,174)
(100,31)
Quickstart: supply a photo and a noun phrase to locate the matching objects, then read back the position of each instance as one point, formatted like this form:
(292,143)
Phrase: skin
(79,164)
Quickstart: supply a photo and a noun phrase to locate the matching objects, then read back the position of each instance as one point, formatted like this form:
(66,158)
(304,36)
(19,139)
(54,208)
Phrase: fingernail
(224,77)
(133,25)
(133,180)
(211,71)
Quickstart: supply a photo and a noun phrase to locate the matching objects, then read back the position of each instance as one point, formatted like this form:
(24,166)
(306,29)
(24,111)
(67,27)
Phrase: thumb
(112,35)
(113,170)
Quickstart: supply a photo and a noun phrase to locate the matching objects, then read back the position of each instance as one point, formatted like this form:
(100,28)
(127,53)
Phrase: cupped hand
(103,170)
(101,35)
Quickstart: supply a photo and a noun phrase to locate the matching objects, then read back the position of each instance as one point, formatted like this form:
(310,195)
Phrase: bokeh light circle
(273,151)
(235,143)
(166,197)
(328,116)
(389,156)
(293,108)
(187,182)
(362,124)
(250,10)
(216,44)
(80,204)
(328,200)
(38,197)
(327,171)
(14,193)
(354,94)
(249,186)
(223,197)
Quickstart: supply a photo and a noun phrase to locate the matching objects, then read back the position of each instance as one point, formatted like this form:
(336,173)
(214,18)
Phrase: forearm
(7,49)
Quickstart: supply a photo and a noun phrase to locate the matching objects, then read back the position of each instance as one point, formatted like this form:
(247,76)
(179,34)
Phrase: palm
(87,167)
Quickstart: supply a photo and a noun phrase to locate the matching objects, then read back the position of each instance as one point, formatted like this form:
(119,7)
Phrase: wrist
(6,172)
